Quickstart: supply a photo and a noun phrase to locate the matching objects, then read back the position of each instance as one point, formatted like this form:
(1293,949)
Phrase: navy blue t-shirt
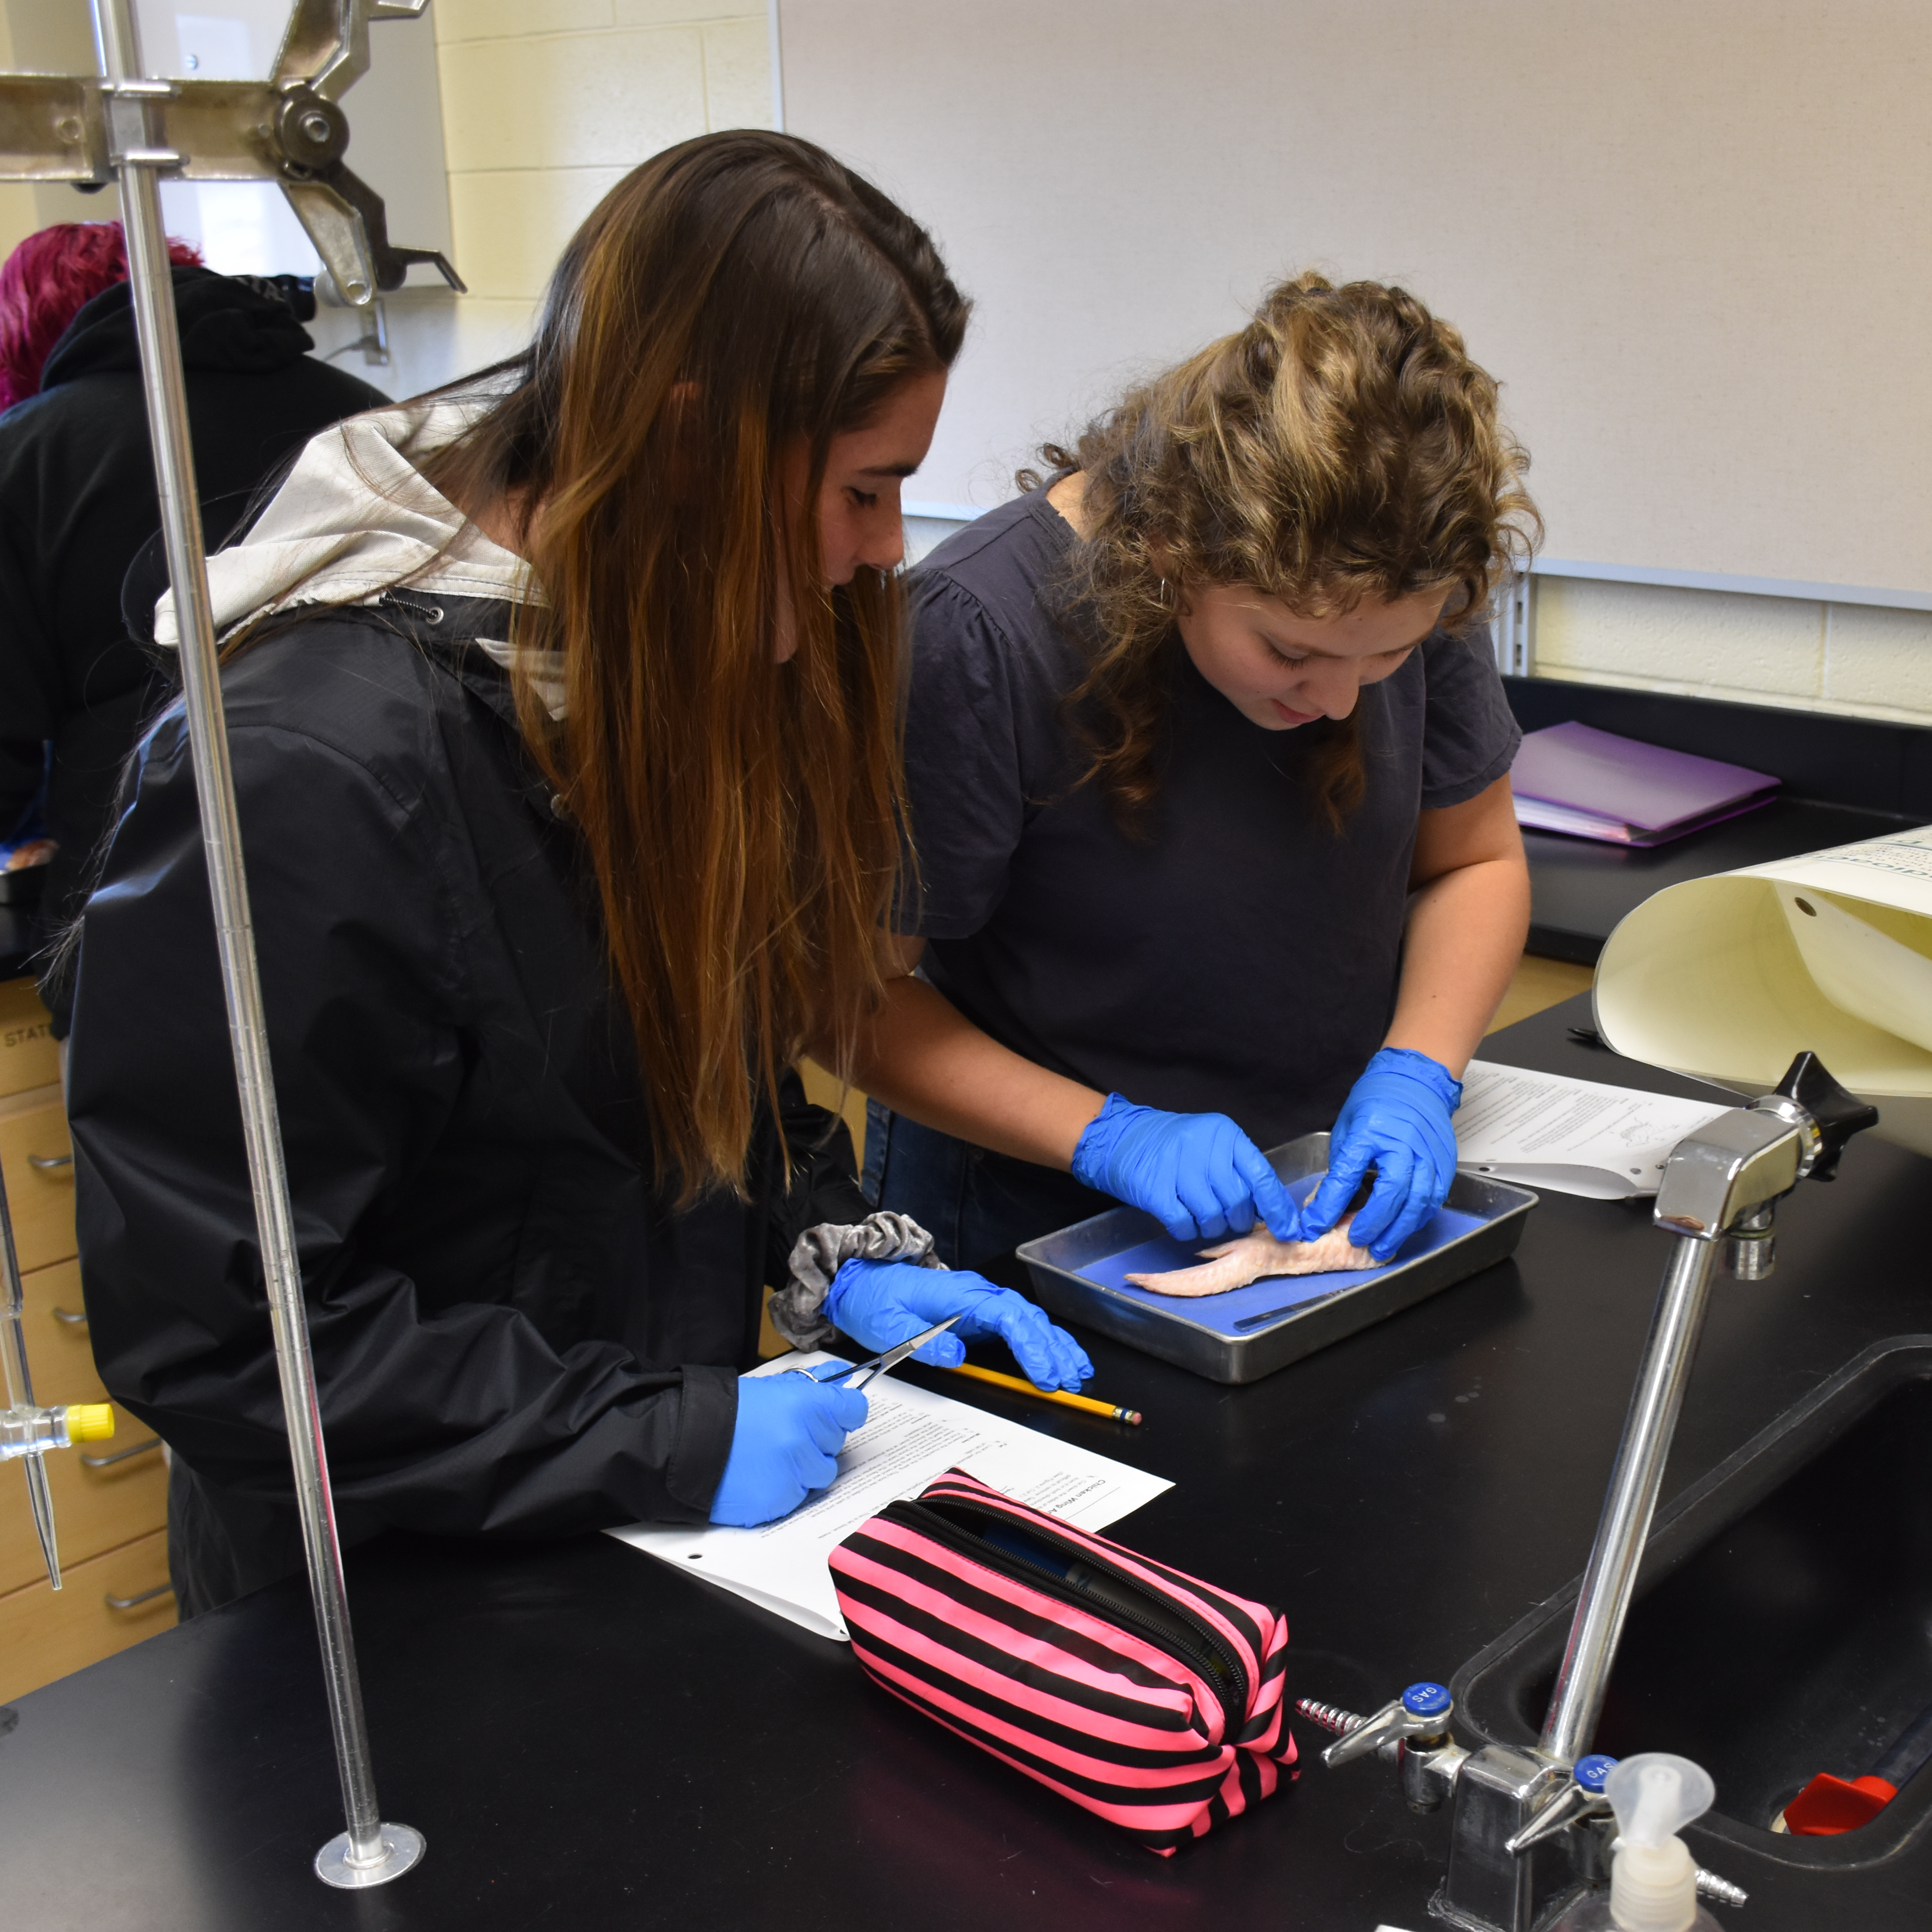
(1240,956)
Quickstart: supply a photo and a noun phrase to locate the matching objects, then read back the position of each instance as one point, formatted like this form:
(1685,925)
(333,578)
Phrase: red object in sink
(1829,1805)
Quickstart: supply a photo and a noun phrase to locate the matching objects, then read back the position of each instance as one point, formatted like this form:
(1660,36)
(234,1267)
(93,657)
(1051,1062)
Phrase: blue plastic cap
(1426,1700)
(1591,1770)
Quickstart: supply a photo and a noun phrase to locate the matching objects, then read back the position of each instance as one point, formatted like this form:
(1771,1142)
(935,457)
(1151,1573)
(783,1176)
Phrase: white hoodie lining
(355,519)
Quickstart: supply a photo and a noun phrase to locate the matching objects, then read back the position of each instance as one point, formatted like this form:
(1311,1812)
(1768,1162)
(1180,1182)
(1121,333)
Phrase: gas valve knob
(1422,1712)
(1582,1798)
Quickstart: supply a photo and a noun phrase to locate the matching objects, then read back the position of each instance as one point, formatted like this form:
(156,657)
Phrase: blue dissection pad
(1288,1293)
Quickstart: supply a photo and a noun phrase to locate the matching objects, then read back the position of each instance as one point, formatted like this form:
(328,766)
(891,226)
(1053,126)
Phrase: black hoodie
(77,501)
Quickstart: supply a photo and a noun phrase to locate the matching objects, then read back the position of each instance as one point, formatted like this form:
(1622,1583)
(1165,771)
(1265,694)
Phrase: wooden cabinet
(105,1604)
(57,1342)
(36,1158)
(29,1056)
(110,1497)
(100,1502)
(105,1493)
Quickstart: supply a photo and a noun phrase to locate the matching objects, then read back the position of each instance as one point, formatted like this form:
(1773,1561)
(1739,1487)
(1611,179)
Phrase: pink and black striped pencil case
(1149,1697)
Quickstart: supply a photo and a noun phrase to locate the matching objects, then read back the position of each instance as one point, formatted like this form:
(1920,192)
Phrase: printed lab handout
(1729,977)
(1574,1136)
(911,1436)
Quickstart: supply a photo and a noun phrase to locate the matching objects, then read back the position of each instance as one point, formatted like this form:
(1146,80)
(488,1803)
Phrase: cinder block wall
(546,103)
(546,106)
(1854,658)
(1858,659)
(20,214)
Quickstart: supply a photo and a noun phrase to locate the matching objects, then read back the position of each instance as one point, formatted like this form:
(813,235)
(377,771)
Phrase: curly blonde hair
(1342,445)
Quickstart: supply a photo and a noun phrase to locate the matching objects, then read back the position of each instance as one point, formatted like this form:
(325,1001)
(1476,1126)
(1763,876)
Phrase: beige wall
(48,37)
(1853,659)
(1691,240)
(19,216)
(546,103)
(1858,660)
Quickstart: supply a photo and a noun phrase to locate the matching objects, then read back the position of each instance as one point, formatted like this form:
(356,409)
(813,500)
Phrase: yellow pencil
(1086,1401)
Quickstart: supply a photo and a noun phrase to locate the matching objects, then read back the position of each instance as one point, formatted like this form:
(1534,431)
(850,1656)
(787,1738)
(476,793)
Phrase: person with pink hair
(45,283)
(77,504)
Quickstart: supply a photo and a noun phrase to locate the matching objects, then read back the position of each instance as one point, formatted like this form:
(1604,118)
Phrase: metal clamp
(67,1315)
(287,128)
(140,1597)
(49,1163)
(121,1455)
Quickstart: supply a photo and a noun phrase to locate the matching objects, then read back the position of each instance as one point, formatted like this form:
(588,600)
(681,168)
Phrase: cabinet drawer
(29,1055)
(99,1503)
(45,1634)
(37,1159)
(58,1350)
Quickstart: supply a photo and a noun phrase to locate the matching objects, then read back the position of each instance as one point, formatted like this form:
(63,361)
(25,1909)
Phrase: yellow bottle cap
(89,1422)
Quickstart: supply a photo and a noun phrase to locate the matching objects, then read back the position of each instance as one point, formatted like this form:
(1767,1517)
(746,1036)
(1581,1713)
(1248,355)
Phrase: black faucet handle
(1839,1115)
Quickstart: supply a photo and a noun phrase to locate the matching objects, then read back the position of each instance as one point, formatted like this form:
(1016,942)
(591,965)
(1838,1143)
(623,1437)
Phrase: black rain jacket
(77,502)
(512,1332)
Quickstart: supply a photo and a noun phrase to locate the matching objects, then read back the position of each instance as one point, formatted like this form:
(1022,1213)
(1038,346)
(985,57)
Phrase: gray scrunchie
(819,1252)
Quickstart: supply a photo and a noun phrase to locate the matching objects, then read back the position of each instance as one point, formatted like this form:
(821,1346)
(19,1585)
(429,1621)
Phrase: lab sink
(1782,1625)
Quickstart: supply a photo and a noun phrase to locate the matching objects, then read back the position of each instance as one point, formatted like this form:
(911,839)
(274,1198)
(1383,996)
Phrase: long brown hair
(736,300)
(1342,445)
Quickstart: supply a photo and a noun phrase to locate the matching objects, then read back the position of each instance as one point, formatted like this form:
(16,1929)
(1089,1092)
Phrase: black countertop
(1844,779)
(1579,889)
(587,1737)
(17,942)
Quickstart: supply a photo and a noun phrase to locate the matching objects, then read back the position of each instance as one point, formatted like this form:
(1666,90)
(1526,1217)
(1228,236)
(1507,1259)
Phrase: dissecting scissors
(879,1365)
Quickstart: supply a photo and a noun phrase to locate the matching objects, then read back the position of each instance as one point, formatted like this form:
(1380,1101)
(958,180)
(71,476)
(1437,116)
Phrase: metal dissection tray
(1250,1332)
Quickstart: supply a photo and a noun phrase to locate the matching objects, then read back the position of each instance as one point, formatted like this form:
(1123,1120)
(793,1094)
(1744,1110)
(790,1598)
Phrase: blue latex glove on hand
(881,1304)
(785,1444)
(1197,1174)
(1395,1120)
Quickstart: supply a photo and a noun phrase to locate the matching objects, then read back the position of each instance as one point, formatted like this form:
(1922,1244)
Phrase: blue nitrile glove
(1395,1120)
(1197,1174)
(785,1444)
(881,1304)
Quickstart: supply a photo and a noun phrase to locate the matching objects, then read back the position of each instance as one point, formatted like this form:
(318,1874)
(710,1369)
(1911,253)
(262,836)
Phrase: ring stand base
(403,1842)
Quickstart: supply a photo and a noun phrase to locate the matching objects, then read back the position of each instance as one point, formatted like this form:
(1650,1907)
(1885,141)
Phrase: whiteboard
(1692,237)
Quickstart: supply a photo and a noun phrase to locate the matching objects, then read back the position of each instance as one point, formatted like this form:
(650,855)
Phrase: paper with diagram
(1727,979)
(1576,1136)
(910,1436)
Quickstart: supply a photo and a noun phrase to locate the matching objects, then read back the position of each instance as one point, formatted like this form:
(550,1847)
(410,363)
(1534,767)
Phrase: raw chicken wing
(1255,1257)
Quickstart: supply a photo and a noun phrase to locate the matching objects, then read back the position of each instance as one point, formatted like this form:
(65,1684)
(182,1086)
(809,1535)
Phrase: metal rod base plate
(403,1842)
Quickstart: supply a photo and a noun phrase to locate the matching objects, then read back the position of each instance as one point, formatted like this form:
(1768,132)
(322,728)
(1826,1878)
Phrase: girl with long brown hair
(563,711)
(1208,759)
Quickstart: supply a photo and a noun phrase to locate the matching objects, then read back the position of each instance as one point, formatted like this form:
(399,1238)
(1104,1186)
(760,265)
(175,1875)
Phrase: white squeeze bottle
(1653,1876)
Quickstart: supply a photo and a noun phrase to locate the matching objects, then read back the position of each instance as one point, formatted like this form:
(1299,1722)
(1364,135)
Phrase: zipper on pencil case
(1124,1598)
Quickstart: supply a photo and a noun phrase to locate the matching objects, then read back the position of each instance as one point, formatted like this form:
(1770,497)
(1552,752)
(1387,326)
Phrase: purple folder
(1594,784)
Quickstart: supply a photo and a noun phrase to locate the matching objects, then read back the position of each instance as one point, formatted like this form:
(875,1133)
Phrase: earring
(1164,595)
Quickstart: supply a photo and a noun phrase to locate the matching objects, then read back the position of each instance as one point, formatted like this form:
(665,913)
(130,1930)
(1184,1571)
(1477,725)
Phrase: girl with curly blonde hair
(1208,762)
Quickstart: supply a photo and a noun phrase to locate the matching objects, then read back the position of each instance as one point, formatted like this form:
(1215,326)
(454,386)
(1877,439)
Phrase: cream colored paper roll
(1727,979)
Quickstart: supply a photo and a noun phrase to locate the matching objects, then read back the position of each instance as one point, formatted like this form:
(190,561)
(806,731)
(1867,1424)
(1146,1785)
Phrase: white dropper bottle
(1653,1876)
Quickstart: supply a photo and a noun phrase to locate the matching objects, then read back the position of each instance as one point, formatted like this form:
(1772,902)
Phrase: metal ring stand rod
(369,1852)
(1610,1582)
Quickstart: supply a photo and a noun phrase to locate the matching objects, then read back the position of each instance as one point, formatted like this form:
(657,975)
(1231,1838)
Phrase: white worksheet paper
(911,1436)
(1727,977)
(1573,1136)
